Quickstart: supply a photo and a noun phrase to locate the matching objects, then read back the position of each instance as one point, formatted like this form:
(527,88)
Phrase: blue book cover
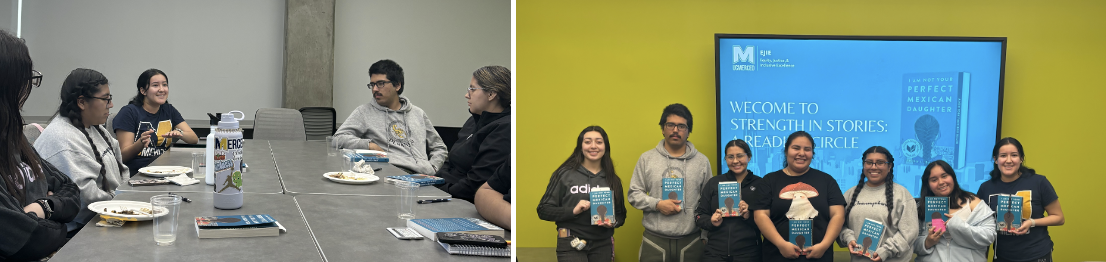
(729,196)
(421,179)
(935,208)
(801,232)
(870,233)
(1008,213)
(602,205)
(432,226)
(235,221)
(935,117)
(368,157)
(673,189)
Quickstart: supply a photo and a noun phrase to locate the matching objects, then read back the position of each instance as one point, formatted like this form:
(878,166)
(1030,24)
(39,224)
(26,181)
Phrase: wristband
(46,209)
(1032,223)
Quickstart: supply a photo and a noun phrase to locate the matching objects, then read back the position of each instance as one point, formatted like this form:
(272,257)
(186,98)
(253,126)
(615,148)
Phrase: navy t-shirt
(134,119)
(776,192)
(1037,243)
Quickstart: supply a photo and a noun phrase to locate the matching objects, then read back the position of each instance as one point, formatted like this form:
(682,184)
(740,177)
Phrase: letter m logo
(746,55)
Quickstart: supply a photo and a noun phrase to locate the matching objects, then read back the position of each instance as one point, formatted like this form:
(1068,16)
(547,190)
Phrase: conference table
(325,221)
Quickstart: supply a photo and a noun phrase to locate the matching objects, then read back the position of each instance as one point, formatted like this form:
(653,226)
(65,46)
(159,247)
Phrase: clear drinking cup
(198,166)
(165,226)
(331,149)
(407,198)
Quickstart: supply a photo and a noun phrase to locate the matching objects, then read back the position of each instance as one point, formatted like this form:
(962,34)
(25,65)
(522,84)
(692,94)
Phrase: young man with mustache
(393,124)
(670,231)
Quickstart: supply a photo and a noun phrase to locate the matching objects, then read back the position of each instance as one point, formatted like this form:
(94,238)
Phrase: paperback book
(729,196)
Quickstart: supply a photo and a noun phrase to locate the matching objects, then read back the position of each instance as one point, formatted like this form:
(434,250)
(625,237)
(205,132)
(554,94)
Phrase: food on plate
(348,176)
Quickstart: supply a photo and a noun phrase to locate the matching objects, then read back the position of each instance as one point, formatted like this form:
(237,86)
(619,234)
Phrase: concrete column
(308,54)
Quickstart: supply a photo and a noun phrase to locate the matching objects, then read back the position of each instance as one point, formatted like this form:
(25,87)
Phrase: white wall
(207,47)
(439,43)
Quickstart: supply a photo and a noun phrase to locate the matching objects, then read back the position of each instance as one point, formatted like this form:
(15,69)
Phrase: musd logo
(740,56)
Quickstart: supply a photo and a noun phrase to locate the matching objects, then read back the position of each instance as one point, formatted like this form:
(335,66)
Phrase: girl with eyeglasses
(734,237)
(149,117)
(78,144)
(971,223)
(36,199)
(484,142)
(877,197)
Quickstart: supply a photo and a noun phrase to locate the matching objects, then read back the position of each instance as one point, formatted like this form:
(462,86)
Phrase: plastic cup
(331,148)
(198,166)
(407,198)
(165,227)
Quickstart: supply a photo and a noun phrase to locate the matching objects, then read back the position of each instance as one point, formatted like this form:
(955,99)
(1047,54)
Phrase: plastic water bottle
(209,149)
(228,162)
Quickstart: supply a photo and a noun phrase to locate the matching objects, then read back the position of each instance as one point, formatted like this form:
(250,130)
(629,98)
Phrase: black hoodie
(737,236)
(26,237)
(566,189)
(483,144)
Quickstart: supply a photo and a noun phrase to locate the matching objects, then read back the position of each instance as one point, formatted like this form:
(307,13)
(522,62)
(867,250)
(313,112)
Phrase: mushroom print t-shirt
(808,196)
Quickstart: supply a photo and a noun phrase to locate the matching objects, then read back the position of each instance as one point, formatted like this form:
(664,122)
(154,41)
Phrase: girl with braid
(78,144)
(36,200)
(878,197)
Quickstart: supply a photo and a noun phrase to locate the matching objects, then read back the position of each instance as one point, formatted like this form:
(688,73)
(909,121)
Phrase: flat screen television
(923,98)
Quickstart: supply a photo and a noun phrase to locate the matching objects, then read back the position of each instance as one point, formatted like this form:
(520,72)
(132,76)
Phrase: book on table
(602,205)
(367,156)
(259,225)
(870,234)
(934,217)
(421,179)
(475,250)
(729,196)
(429,227)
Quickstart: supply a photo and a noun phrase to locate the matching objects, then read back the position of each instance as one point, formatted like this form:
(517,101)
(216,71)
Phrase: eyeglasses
(875,163)
(678,127)
(736,156)
(380,84)
(107,99)
(36,78)
(475,88)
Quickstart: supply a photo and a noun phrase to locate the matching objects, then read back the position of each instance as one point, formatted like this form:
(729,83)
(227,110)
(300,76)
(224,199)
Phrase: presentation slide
(923,100)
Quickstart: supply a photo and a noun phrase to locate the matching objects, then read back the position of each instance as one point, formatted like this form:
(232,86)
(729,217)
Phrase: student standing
(734,238)
(878,197)
(1031,241)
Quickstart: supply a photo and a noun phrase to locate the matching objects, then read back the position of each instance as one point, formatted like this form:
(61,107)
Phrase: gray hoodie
(403,133)
(645,189)
(64,146)
(965,240)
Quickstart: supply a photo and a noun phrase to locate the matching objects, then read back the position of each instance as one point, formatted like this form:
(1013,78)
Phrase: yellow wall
(617,64)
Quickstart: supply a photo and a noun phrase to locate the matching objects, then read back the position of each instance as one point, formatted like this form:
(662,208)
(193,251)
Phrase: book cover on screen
(237,226)
(935,118)
(936,208)
(602,205)
(800,232)
(421,179)
(429,227)
(673,189)
(869,236)
(1008,212)
(729,196)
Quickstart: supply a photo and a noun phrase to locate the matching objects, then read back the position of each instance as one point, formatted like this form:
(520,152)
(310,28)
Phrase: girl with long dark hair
(36,200)
(149,117)
(877,197)
(971,223)
(1010,176)
(77,143)
(566,200)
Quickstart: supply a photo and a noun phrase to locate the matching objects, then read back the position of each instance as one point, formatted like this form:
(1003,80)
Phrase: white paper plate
(370,178)
(164,171)
(119,205)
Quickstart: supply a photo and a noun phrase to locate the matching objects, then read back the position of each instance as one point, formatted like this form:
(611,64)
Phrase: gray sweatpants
(655,248)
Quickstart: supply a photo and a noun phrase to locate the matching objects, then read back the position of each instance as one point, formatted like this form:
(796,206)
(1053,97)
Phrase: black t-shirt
(768,197)
(1037,243)
(134,119)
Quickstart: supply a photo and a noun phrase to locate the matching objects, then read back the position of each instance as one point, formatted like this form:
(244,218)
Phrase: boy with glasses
(670,231)
(391,123)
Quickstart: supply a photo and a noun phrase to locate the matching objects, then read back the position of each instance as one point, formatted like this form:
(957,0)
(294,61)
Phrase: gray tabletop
(303,163)
(261,178)
(358,233)
(134,241)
